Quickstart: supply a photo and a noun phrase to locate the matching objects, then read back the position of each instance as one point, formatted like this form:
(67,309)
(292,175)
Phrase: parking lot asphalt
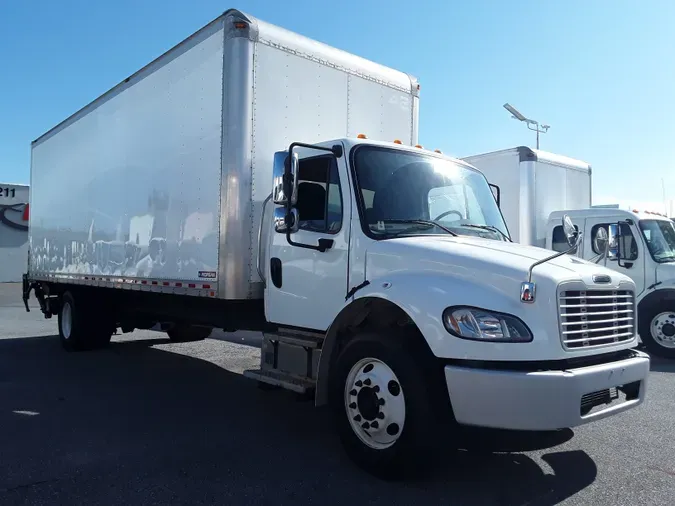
(150,422)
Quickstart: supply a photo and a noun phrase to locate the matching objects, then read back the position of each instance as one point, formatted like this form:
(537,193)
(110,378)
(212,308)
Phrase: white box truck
(538,188)
(532,184)
(13,231)
(236,182)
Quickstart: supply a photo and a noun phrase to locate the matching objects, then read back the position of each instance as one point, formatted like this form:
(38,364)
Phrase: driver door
(306,288)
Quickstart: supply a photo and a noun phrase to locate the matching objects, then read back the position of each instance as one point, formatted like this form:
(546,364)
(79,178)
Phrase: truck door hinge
(351,292)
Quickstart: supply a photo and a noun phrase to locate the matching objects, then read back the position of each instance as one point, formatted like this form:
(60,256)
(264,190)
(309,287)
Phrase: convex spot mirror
(600,240)
(571,232)
(286,221)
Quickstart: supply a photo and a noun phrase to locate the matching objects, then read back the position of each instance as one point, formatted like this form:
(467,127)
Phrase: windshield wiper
(421,222)
(487,227)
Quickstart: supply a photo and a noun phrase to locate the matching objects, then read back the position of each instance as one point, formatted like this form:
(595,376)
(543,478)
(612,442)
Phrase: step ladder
(289,359)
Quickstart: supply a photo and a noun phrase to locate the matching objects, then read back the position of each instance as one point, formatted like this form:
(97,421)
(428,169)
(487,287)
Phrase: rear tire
(657,329)
(81,325)
(188,333)
(382,406)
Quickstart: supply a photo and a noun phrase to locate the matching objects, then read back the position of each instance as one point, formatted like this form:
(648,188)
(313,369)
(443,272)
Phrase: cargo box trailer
(532,184)
(254,179)
(13,231)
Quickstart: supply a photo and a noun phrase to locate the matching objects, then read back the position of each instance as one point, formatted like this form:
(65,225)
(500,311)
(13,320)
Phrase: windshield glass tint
(660,238)
(401,191)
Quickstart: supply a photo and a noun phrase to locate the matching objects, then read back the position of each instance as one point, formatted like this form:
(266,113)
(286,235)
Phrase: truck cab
(396,292)
(645,252)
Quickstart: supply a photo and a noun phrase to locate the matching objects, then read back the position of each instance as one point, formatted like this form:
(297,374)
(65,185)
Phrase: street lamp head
(516,114)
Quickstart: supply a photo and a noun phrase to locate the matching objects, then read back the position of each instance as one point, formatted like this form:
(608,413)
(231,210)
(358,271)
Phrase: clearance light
(361,136)
(240,25)
(396,141)
(438,151)
(418,146)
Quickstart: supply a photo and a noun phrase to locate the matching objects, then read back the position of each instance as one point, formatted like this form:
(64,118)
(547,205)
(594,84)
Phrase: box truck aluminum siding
(532,184)
(227,185)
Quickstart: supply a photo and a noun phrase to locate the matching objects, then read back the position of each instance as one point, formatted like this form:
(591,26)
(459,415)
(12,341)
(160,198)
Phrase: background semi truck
(538,188)
(235,182)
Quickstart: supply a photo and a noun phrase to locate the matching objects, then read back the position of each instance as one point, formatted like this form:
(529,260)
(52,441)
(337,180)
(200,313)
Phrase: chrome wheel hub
(663,329)
(374,403)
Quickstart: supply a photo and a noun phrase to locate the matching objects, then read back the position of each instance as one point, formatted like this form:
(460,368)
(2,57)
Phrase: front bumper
(545,400)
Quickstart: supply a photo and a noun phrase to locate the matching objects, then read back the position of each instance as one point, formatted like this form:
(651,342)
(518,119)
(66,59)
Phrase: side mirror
(600,240)
(286,221)
(613,242)
(571,232)
(285,179)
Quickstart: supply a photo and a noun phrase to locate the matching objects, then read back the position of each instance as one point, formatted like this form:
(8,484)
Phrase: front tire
(382,406)
(657,329)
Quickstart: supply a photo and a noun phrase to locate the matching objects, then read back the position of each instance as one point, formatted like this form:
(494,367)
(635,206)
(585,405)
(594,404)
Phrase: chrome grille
(593,318)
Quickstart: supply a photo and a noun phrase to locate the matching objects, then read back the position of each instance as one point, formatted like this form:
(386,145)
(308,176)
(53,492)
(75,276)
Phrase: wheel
(657,329)
(81,326)
(382,406)
(188,333)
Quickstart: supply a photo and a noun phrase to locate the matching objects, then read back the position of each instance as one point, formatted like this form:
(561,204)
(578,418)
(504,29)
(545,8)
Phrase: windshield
(660,238)
(407,193)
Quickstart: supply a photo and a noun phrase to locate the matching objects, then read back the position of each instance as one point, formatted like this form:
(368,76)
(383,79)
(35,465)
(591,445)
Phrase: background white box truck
(227,184)
(538,188)
(13,231)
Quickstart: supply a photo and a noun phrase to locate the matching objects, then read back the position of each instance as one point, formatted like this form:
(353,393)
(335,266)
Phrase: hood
(477,256)
(665,274)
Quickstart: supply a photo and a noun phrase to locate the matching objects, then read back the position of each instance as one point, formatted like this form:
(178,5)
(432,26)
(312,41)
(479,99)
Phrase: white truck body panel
(158,184)
(13,231)
(534,183)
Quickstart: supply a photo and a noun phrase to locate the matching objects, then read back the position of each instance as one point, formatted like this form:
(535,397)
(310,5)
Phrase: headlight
(481,325)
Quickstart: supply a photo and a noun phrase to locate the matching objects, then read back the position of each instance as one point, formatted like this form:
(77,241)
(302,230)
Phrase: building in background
(13,231)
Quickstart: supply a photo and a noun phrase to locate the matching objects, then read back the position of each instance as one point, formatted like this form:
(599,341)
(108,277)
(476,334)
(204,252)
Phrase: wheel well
(655,297)
(363,315)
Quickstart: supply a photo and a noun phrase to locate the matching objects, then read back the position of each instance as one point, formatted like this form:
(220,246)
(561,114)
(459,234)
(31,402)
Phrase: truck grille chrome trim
(591,318)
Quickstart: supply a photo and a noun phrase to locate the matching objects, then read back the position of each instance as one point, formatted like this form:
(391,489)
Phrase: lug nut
(367,382)
(352,405)
(376,388)
(375,425)
(365,425)
(380,415)
(359,384)
(353,392)
(357,418)
(381,402)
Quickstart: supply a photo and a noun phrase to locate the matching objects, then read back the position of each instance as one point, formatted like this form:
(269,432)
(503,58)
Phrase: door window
(628,244)
(319,195)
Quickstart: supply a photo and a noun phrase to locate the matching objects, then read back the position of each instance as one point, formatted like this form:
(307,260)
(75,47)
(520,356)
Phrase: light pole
(529,122)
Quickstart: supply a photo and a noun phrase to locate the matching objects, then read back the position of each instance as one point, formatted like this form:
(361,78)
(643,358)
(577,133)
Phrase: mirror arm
(552,257)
